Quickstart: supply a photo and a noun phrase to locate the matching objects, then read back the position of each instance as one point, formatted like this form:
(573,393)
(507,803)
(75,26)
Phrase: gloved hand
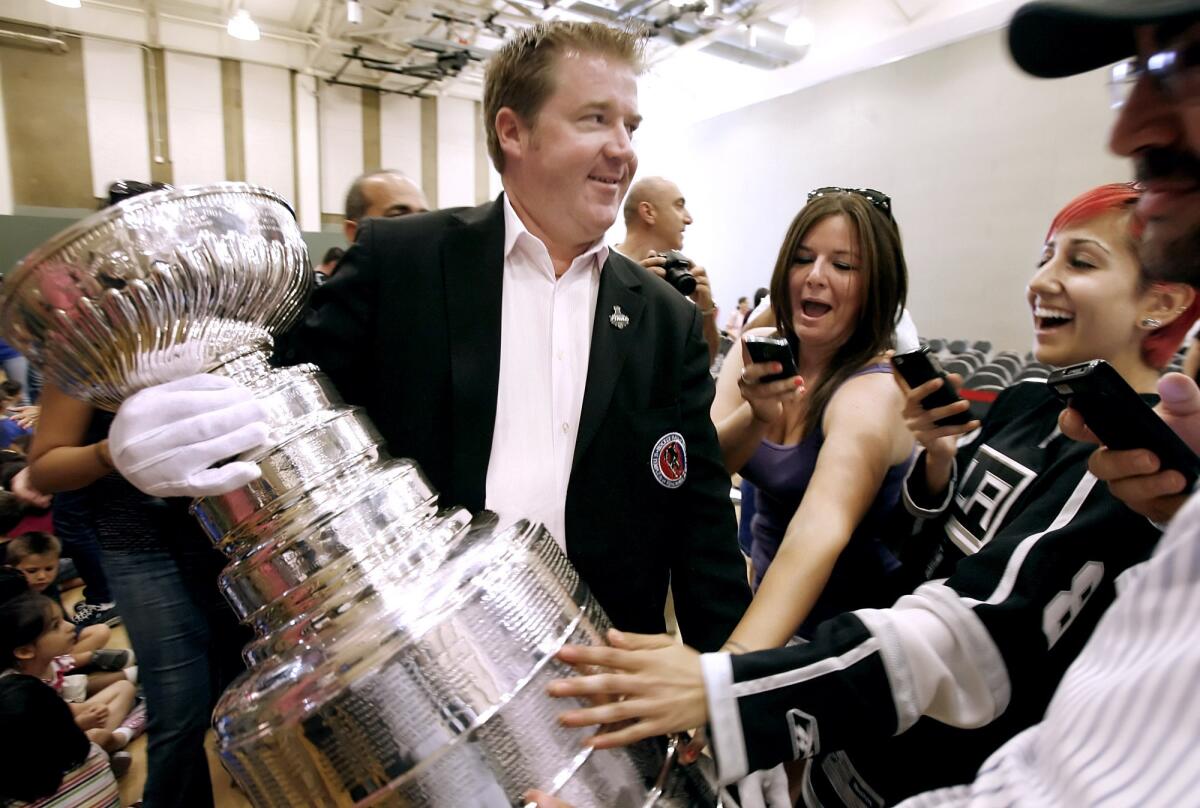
(165,438)
(764,789)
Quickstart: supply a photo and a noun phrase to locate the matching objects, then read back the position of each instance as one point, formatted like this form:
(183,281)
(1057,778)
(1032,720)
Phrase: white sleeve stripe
(971,632)
(1012,569)
(914,508)
(724,720)
(751,687)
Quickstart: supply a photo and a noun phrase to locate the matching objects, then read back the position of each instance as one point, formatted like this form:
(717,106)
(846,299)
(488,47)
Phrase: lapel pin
(618,319)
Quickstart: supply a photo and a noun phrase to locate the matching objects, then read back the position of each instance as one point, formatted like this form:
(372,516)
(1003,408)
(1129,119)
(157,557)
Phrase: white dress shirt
(545,340)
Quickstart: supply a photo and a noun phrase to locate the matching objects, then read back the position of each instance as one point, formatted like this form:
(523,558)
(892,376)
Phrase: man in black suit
(529,369)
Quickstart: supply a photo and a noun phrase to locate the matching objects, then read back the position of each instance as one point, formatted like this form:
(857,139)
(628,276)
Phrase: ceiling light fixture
(241,26)
(64,3)
(800,33)
(354,12)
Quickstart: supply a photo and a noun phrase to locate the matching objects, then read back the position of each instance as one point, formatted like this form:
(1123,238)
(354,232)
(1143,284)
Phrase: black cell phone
(920,366)
(1119,417)
(772,349)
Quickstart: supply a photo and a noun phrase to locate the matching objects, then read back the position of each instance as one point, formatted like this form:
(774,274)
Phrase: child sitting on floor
(36,555)
(35,639)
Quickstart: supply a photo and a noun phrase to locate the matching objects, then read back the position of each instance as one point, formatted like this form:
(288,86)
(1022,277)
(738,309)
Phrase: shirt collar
(516,232)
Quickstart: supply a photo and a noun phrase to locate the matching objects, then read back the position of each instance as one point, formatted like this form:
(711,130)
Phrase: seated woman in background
(826,450)
(1031,542)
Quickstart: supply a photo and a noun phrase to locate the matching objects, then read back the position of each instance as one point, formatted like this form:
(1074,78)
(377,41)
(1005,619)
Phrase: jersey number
(1066,606)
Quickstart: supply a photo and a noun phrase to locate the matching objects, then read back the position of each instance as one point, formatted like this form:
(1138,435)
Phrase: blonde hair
(521,74)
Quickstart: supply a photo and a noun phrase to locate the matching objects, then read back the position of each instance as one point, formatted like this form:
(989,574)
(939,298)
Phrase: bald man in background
(656,215)
(381,194)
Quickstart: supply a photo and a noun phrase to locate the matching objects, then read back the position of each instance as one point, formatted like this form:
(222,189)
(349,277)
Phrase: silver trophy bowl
(402,652)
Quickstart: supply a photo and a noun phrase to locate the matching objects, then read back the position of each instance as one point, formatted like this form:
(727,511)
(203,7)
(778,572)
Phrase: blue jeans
(74,525)
(187,643)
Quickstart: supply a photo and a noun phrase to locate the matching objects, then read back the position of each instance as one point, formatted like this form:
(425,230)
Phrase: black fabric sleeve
(708,575)
(337,330)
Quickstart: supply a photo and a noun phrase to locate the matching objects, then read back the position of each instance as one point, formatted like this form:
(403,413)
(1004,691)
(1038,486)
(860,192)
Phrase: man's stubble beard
(1174,260)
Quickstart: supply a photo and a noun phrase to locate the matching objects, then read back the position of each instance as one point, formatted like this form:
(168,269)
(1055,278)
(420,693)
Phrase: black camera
(678,275)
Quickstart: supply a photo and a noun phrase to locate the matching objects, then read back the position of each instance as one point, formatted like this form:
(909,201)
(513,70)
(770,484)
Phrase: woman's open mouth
(815,308)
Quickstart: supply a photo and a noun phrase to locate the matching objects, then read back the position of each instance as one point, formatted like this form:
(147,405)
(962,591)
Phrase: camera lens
(682,280)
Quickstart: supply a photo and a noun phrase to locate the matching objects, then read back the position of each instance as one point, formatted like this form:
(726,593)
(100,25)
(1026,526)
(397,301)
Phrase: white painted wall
(977,157)
(115,92)
(6,191)
(308,153)
(456,152)
(194,118)
(341,143)
(267,128)
(400,134)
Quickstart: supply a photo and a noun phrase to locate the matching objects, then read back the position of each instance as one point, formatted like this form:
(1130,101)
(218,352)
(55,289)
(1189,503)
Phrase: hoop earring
(1150,323)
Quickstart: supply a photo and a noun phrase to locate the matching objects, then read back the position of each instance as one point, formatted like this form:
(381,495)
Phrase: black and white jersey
(1031,542)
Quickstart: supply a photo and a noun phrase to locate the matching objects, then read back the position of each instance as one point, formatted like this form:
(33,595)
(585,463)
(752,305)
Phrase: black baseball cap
(1055,38)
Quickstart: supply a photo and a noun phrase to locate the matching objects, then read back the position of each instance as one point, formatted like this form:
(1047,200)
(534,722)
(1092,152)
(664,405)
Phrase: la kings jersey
(1031,543)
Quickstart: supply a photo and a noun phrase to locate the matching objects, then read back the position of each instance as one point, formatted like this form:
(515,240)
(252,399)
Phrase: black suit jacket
(409,327)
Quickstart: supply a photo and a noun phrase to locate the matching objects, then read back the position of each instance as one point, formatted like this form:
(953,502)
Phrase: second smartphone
(920,366)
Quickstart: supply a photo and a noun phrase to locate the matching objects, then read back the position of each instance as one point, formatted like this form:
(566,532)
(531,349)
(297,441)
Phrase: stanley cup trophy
(402,652)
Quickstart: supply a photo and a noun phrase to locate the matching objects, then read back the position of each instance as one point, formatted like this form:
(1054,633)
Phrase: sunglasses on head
(878,199)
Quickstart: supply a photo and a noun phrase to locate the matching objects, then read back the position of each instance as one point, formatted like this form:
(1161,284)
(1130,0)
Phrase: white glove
(764,789)
(165,438)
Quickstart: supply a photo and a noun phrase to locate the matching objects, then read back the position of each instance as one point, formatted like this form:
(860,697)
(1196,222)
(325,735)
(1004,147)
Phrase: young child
(12,433)
(35,639)
(36,554)
(54,764)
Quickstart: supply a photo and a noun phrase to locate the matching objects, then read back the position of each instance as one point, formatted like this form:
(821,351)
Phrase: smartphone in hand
(772,349)
(920,366)
(1119,417)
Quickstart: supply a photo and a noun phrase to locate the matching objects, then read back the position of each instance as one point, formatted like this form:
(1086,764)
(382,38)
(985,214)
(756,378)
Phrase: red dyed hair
(1159,345)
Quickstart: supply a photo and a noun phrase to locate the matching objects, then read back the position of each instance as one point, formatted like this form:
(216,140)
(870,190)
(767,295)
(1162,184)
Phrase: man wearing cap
(1121,725)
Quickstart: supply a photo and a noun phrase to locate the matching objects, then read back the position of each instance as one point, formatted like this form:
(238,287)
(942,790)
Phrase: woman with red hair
(1021,546)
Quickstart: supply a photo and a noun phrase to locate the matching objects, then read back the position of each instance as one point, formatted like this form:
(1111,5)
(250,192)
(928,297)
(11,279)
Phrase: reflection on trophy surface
(402,651)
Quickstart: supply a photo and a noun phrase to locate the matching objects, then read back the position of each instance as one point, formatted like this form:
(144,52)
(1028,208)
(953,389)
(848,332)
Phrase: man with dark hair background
(381,194)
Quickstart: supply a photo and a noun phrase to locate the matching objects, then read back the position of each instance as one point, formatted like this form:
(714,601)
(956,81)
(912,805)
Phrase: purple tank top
(861,575)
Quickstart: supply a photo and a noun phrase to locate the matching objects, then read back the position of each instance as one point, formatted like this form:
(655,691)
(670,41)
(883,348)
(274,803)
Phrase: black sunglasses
(881,201)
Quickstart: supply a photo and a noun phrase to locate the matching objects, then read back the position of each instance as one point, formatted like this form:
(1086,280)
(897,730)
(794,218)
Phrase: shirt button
(566,427)
(560,356)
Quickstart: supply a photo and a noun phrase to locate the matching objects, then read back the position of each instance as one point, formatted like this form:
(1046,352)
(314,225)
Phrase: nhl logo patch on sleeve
(668,460)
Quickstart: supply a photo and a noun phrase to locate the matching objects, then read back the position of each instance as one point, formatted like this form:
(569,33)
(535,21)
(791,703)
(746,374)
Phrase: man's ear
(647,213)
(349,229)
(511,133)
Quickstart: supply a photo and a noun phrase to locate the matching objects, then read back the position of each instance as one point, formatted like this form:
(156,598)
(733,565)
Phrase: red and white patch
(668,460)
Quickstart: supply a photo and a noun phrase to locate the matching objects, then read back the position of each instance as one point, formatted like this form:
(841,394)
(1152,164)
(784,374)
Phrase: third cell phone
(920,366)
(1119,417)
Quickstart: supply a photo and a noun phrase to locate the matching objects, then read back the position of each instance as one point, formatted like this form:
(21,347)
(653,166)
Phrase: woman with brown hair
(826,450)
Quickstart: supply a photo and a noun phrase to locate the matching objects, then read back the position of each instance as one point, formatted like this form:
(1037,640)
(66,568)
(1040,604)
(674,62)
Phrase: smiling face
(1087,296)
(567,171)
(1162,135)
(825,284)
